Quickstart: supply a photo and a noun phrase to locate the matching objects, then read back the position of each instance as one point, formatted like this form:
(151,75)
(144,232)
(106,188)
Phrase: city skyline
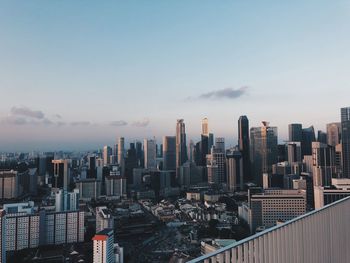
(78,77)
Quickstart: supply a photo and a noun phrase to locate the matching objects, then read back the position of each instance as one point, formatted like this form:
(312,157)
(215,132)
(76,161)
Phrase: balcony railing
(321,236)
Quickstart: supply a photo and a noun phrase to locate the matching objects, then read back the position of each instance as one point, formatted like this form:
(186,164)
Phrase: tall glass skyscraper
(345,140)
(243,143)
(264,152)
(181,149)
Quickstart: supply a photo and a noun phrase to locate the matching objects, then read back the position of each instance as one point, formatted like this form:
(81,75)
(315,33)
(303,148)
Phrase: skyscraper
(295,132)
(234,170)
(345,140)
(333,133)
(263,145)
(61,172)
(323,159)
(216,166)
(181,151)
(243,144)
(308,136)
(169,153)
(205,127)
(150,151)
(107,152)
(121,150)
(220,144)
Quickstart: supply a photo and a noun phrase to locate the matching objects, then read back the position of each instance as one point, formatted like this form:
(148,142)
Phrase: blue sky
(78,74)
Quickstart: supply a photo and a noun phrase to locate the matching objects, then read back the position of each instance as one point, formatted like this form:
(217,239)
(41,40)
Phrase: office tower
(61,172)
(282,153)
(212,171)
(2,236)
(266,208)
(107,152)
(234,170)
(216,165)
(333,133)
(139,154)
(323,157)
(203,150)
(169,153)
(244,146)
(92,166)
(181,151)
(191,151)
(294,152)
(308,136)
(220,144)
(205,127)
(345,141)
(295,132)
(9,184)
(115,151)
(121,150)
(103,243)
(210,141)
(150,154)
(104,219)
(322,137)
(263,146)
(131,163)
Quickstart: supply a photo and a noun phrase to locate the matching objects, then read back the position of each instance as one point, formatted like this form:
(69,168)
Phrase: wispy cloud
(227,93)
(26,112)
(14,120)
(143,123)
(118,123)
(80,123)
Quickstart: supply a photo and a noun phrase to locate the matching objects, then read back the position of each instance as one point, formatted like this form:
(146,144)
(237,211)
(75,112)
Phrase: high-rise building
(322,137)
(66,201)
(28,228)
(104,219)
(243,144)
(220,144)
(107,152)
(333,133)
(263,146)
(266,208)
(205,127)
(216,165)
(121,150)
(92,166)
(61,172)
(2,236)
(308,136)
(323,157)
(169,153)
(9,184)
(103,243)
(234,170)
(150,153)
(345,141)
(295,132)
(181,147)
(115,186)
(294,152)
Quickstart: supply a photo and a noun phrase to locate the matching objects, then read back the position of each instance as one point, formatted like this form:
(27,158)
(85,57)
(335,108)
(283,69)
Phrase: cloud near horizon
(118,123)
(227,93)
(143,123)
(26,112)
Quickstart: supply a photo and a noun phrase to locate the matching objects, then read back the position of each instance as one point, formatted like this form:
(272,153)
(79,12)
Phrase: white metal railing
(320,236)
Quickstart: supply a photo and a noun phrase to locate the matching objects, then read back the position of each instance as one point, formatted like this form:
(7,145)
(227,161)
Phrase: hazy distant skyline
(79,74)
